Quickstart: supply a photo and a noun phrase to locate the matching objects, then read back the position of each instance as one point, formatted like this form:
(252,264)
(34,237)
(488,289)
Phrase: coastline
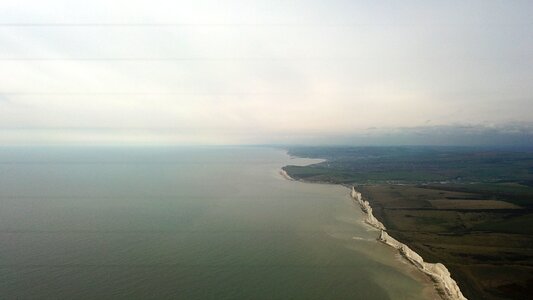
(440,275)
(285,175)
(444,284)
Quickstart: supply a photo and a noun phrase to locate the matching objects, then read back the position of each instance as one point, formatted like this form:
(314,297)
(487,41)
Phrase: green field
(415,164)
(469,208)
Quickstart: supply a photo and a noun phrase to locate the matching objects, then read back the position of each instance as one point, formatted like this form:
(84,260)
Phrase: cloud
(4,99)
(508,134)
(260,71)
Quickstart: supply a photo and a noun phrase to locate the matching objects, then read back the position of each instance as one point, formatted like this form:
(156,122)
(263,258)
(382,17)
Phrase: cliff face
(438,272)
(285,174)
(367,209)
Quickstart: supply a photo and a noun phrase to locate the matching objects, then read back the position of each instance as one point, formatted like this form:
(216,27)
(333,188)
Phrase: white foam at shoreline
(438,272)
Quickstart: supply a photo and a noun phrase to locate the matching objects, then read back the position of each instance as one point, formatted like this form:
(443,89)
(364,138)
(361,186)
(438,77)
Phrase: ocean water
(184,223)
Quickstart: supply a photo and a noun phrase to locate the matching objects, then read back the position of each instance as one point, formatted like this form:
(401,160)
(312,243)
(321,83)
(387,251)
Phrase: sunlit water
(186,223)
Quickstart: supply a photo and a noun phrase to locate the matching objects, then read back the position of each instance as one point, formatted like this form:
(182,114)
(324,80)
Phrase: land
(468,208)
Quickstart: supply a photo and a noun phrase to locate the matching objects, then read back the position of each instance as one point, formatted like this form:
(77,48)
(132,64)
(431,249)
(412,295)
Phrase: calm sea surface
(183,223)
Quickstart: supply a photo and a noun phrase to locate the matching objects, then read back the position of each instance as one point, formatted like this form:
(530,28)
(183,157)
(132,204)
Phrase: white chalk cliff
(438,272)
(367,209)
(285,174)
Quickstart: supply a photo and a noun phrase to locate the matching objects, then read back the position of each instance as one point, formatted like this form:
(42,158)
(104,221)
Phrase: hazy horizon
(266,72)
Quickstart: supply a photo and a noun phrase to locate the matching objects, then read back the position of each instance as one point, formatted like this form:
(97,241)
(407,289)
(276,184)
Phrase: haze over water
(189,223)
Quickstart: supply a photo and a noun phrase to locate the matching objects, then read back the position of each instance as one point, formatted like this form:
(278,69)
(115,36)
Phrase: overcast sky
(246,72)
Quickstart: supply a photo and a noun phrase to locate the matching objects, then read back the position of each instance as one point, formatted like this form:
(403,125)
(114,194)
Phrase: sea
(185,223)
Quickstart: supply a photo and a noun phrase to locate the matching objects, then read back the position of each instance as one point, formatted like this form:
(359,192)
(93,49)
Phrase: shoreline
(439,274)
(285,175)
(443,283)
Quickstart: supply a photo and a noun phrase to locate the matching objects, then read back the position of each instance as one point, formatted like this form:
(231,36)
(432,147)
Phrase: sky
(266,72)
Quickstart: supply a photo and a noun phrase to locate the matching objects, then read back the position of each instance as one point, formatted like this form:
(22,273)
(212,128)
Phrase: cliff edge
(438,272)
(367,209)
